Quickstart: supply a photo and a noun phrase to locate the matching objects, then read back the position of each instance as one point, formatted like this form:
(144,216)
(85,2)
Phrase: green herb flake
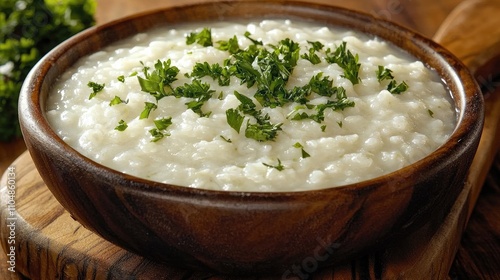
(121,78)
(156,134)
(158,82)
(226,139)
(311,55)
(198,91)
(96,88)
(304,153)
(203,38)
(117,100)
(278,167)
(148,107)
(384,73)
(261,132)
(122,125)
(255,42)
(431,113)
(396,88)
(163,123)
(234,119)
(347,61)
(230,45)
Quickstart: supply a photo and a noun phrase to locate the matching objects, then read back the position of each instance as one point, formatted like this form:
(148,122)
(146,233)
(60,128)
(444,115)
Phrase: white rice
(383,132)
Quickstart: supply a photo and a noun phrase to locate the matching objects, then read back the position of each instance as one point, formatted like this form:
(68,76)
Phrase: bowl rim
(34,122)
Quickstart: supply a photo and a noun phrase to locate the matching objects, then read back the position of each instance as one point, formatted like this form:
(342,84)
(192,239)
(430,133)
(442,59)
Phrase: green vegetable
(311,55)
(215,71)
(347,61)
(304,153)
(234,119)
(197,90)
(278,166)
(396,88)
(204,38)
(384,73)
(230,45)
(122,125)
(117,100)
(96,88)
(28,30)
(148,107)
(158,82)
(161,129)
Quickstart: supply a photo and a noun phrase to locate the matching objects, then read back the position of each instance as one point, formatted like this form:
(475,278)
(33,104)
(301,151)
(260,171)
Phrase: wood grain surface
(478,256)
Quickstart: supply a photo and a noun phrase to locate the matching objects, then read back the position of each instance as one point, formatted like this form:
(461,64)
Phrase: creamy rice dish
(275,105)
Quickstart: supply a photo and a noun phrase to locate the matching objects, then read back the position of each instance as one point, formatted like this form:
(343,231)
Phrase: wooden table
(478,256)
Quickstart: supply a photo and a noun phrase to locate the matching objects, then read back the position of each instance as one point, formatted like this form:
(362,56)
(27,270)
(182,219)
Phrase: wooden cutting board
(49,244)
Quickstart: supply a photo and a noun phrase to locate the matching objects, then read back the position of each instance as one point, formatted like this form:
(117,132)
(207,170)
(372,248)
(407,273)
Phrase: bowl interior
(462,89)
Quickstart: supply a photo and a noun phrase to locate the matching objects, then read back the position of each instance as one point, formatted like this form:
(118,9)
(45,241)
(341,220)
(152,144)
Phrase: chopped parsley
(255,42)
(96,88)
(117,100)
(303,152)
(278,166)
(148,107)
(160,130)
(396,88)
(122,125)
(215,71)
(384,73)
(312,56)
(203,38)
(347,61)
(234,119)
(198,91)
(230,45)
(158,81)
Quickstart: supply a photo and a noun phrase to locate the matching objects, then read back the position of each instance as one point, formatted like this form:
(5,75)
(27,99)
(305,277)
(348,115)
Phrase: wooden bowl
(240,232)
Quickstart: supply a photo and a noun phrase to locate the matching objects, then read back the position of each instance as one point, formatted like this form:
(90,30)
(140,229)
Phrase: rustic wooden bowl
(239,232)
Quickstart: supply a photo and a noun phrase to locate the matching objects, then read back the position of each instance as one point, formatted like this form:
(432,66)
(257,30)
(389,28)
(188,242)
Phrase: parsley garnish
(234,119)
(204,38)
(347,61)
(148,107)
(215,71)
(121,78)
(161,129)
(431,113)
(304,153)
(158,82)
(117,100)
(197,90)
(262,131)
(96,88)
(226,139)
(384,73)
(278,167)
(312,56)
(255,42)
(122,125)
(163,123)
(396,88)
(230,45)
